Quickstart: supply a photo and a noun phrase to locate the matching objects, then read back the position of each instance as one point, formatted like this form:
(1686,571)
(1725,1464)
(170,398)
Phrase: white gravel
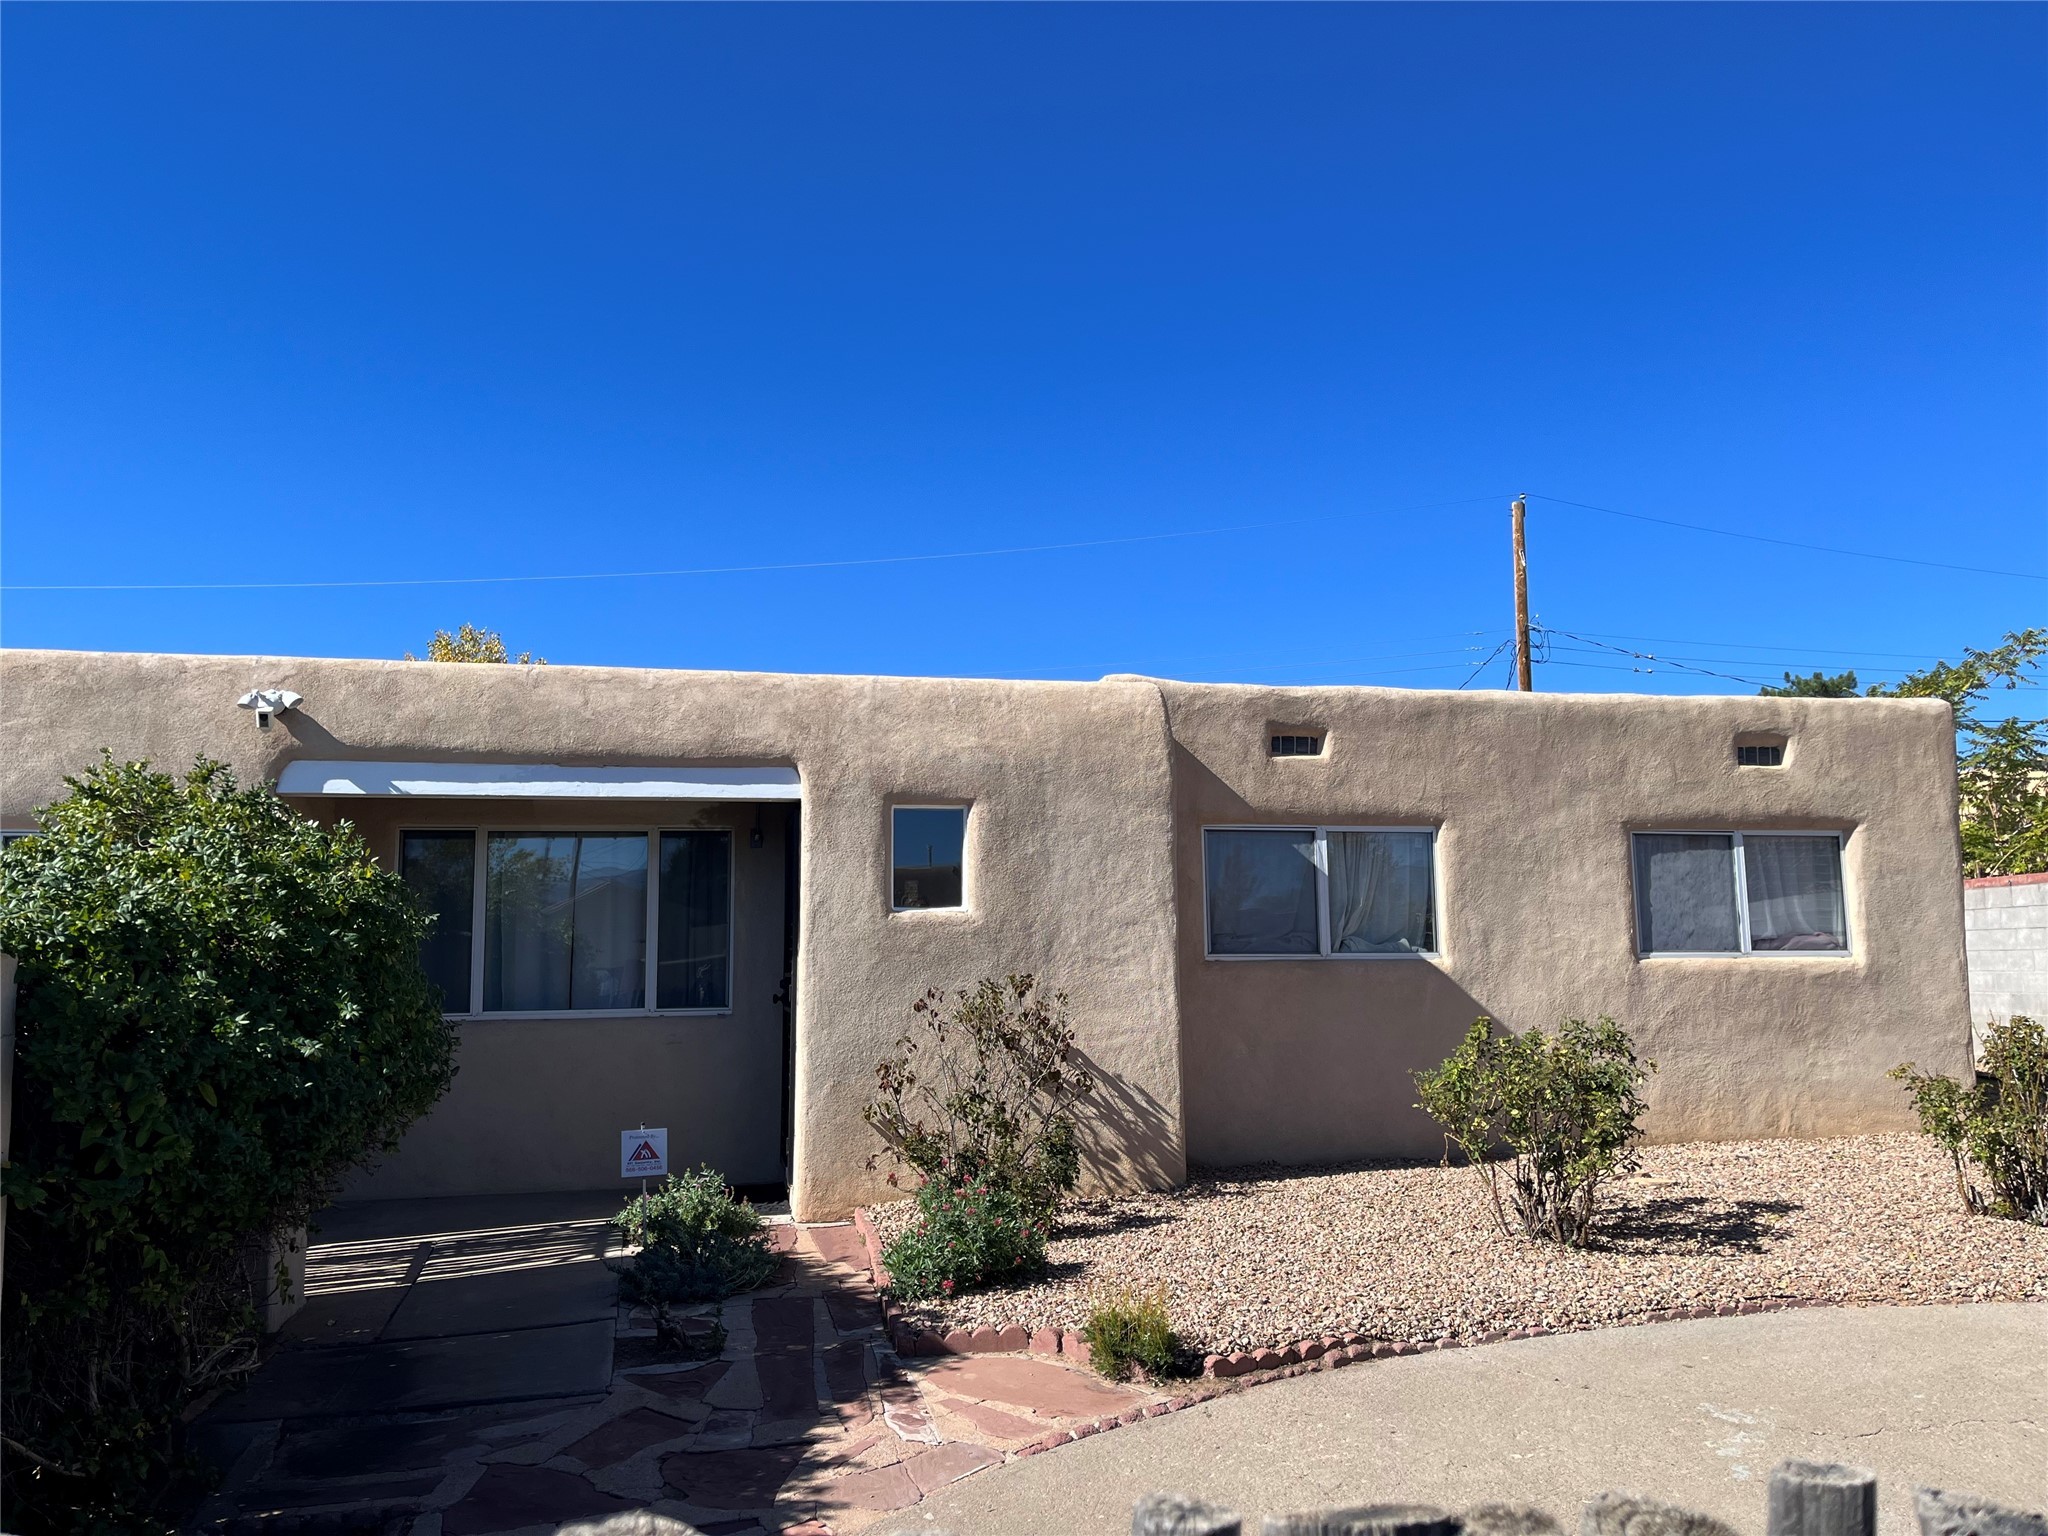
(1263,1257)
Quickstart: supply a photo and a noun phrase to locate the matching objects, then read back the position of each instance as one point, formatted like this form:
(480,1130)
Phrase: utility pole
(1518,515)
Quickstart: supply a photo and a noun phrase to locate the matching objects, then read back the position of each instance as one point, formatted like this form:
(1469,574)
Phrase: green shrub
(697,1241)
(1564,1106)
(968,1232)
(220,1012)
(1998,1126)
(984,1088)
(1127,1331)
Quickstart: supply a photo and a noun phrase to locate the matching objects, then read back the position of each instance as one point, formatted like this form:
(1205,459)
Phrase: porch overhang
(537,781)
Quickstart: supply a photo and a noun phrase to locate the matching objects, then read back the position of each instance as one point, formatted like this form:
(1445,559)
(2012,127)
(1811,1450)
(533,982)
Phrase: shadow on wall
(1305,1060)
(1127,1136)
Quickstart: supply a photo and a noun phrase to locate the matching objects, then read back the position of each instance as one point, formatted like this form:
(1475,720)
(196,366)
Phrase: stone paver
(806,1424)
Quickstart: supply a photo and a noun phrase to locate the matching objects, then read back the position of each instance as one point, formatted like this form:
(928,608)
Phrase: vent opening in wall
(1756,750)
(1298,744)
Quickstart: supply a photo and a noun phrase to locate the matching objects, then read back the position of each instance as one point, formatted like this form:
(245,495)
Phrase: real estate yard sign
(643,1154)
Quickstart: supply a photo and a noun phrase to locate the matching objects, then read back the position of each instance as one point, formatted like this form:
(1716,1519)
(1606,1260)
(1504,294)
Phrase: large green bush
(220,1012)
(984,1088)
(1565,1108)
(1997,1127)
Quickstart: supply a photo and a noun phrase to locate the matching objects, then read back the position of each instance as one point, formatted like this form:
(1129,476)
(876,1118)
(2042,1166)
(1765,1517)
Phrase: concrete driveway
(1694,1413)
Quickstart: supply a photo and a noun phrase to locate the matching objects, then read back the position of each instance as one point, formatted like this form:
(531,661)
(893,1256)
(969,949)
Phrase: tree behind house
(470,643)
(2001,765)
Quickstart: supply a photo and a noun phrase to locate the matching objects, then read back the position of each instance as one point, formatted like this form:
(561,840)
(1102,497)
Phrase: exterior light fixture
(267,702)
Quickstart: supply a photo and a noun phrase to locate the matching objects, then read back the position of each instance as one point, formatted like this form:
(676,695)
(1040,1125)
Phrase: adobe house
(705,900)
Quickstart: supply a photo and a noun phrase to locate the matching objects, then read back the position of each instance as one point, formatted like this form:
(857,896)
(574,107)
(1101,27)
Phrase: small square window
(1297,746)
(927,854)
(1760,757)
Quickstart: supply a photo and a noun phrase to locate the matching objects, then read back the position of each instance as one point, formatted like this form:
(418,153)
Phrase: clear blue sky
(402,293)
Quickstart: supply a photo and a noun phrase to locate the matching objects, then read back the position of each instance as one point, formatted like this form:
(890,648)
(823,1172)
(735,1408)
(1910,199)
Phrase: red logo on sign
(645,1153)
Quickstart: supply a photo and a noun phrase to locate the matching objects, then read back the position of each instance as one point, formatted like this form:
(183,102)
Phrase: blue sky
(408,293)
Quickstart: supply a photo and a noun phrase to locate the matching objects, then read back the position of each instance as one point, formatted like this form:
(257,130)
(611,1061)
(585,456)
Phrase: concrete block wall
(2005,931)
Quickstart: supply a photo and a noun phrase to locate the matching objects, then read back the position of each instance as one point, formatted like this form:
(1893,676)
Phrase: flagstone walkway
(493,1410)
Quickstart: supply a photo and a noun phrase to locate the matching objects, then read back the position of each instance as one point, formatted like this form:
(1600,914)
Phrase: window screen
(565,922)
(928,844)
(441,869)
(1262,893)
(693,956)
(1685,893)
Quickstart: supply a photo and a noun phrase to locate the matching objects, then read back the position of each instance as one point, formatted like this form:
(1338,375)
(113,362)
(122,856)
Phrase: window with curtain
(1320,891)
(565,922)
(1730,893)
(694,923)
(441,869)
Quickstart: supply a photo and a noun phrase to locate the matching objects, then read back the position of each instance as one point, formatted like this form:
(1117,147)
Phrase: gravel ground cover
(1262,1257)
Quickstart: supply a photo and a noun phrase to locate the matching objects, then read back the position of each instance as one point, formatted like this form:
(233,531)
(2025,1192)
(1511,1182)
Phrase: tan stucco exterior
(1084,865)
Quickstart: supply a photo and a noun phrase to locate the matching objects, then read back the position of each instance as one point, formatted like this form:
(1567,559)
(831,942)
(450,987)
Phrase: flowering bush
(969,1232)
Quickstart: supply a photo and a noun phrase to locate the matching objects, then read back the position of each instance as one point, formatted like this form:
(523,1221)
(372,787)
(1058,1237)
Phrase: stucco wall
(2005,922)
(1084,865)
(1069,856)
(1535,795)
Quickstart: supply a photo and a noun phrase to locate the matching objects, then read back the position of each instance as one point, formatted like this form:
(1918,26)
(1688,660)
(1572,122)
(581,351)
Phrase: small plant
(1128,1331)
(1998,1126)
(1565,1106)
(984,1088)
(969,1232)
(696,1241)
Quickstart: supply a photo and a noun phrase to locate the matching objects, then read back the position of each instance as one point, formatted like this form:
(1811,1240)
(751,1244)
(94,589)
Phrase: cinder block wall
(2005,930)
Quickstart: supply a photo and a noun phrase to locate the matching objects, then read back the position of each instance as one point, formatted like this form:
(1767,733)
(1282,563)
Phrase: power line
(1644,656)
(1743,645)
(714,570)
(1758,538)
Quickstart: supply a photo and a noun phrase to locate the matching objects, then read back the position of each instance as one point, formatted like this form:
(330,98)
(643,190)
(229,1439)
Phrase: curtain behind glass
(695,920)
(1685,893)
(1262,893)
(1795,892)
(565,923)
(440,867)
(1380,893)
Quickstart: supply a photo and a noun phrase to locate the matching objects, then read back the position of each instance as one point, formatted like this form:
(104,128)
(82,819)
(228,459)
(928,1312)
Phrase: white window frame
(480,884)
(1321,834)
(1635,913)
(966,810)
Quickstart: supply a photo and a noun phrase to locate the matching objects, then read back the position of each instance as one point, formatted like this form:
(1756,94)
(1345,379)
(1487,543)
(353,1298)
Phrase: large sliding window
(1739,893)
(572,922)
(1334,892)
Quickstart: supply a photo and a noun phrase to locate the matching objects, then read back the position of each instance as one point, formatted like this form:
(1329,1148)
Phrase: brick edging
(1983,882)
